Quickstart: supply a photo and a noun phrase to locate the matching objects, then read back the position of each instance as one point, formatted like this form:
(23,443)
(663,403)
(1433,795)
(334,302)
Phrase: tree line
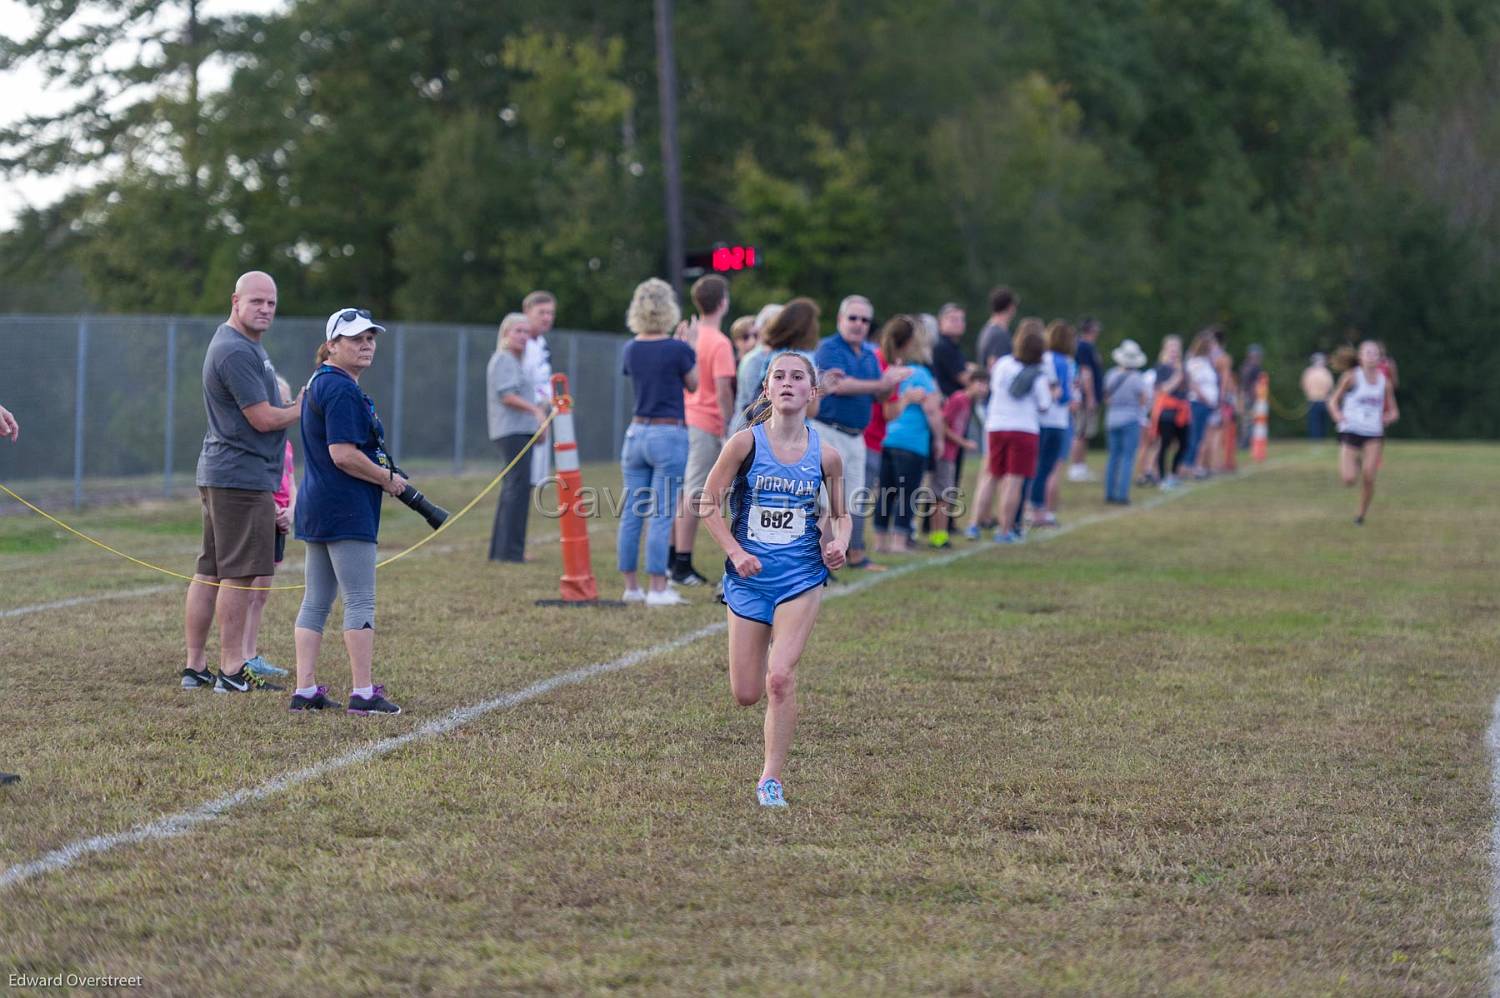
(1304,172)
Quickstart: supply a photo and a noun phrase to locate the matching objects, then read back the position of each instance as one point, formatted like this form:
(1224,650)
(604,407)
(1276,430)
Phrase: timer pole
(666,86)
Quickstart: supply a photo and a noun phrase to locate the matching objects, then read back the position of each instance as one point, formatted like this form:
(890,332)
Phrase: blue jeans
(1202,413)
(1050,449)
(1123,442)
(652,461)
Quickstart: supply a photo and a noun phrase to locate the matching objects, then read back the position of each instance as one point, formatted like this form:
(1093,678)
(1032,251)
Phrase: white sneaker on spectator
(1079,473)
(634,596)
(666,597)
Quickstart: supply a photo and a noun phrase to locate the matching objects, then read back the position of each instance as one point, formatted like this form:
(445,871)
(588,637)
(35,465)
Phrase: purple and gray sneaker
(318,701)
(373,704)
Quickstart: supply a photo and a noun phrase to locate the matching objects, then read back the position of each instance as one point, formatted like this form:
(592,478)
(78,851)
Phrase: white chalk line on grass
(292,566)
(184,821)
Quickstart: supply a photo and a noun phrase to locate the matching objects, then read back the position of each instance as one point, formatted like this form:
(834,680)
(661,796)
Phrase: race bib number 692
(777,525)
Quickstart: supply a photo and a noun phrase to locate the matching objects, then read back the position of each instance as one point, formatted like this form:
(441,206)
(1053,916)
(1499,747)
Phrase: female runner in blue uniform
(779,556)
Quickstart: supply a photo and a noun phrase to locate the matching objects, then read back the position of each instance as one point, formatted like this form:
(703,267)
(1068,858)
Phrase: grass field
(1221,745)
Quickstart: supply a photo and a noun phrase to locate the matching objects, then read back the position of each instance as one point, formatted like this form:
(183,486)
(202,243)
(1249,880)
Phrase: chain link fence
(111,407)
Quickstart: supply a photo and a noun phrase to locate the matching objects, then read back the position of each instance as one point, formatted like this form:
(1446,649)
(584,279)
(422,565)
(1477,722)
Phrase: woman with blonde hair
(653,459)
(1170,413)
(1203,399)
(743,335)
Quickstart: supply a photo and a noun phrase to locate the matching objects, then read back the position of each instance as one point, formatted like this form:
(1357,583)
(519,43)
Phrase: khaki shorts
(703,451)
(239,533)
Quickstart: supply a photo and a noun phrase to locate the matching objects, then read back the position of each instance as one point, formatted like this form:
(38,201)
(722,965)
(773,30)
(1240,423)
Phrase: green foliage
(1304,173)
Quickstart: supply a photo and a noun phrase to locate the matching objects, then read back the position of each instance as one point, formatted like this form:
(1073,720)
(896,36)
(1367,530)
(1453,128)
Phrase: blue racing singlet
(774,515)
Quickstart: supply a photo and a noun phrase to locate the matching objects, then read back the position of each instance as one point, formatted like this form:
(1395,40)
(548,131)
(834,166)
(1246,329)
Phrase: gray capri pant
(347,566)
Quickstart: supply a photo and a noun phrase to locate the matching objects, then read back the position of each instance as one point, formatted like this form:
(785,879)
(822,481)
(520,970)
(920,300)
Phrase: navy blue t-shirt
(1087,356)
(331,504)
(656,369)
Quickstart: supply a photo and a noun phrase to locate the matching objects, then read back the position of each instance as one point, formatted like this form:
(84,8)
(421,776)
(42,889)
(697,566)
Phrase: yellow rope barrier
(226,585)
(1286,413)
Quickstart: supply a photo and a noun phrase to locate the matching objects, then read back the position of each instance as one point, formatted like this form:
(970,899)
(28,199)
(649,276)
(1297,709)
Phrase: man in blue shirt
(845,411)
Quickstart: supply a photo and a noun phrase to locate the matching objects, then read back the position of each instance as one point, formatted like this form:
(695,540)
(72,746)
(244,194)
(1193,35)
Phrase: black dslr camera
(430,511)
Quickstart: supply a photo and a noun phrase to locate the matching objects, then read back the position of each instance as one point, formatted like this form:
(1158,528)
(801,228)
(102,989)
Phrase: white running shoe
(634,596)
(769,793)
(666,597)
(1078,473)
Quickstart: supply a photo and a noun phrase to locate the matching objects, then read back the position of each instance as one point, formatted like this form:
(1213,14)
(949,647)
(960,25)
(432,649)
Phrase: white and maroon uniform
(1363,406)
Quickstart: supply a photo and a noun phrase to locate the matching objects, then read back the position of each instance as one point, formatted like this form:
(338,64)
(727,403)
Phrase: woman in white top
(1061,370)
(1019,393)
(1203,397)
(1363,405)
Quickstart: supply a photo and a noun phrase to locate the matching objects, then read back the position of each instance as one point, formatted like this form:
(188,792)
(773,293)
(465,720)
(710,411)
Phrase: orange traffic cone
(1258,432)
(578,584)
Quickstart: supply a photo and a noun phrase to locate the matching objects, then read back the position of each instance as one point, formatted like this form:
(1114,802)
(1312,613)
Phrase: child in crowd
(956,412)
(285,496)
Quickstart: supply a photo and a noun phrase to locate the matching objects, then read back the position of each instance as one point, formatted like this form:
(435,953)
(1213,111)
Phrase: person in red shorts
(1019,394)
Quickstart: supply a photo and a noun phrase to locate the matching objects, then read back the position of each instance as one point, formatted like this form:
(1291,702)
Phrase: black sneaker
(374,704)
(243,681)
(194,680)
(318,701)
(6,779)
(688,576)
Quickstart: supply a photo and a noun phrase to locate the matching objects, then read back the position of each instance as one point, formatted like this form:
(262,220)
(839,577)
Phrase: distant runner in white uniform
(1363,405)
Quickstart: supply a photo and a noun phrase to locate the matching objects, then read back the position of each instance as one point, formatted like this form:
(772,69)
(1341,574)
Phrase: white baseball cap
(350,322)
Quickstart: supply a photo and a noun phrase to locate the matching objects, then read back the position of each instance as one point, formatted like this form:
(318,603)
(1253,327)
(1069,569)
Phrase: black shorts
(1356,440)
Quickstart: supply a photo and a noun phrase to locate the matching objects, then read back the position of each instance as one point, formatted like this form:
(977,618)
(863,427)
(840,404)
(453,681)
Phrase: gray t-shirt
(237,374)
(994,343)
(748,376)
(508,374)
(1123,388)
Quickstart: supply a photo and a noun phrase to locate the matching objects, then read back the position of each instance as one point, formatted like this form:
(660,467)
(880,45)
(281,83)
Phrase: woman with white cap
(1127,400)
(345,470)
